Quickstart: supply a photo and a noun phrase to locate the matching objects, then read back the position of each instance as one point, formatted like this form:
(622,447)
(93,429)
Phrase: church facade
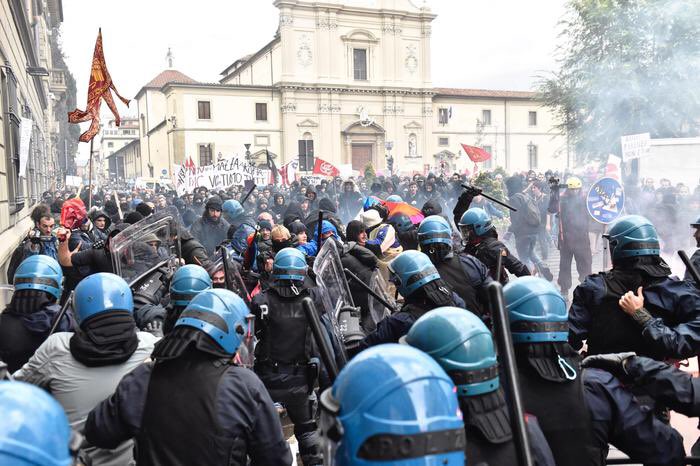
(349,82)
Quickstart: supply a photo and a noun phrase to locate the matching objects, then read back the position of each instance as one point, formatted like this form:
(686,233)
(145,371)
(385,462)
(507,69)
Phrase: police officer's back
(27,320)
(192,405)
(392,405)
(460,342)
(187,282)
(466,274)
(284,352)
(549,370)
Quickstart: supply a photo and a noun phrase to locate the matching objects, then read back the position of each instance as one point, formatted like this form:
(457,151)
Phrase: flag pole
(90,176)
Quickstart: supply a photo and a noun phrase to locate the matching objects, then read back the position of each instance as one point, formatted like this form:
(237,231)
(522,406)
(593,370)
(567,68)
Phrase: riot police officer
(549,370)
(34,429)
(664,319)
(695,259)
(82,368)
(187,281)
(480,239)
(460,342)
(423,290)
(466,274)
(392,404)
(285,353)
(406,231)
(27,320)
(193,405)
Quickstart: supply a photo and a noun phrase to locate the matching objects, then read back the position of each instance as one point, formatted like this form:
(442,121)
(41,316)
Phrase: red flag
(321,167)
(476,154)
(99,88)
(189,165)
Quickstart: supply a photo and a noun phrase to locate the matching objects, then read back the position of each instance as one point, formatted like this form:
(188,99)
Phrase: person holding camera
(40,240)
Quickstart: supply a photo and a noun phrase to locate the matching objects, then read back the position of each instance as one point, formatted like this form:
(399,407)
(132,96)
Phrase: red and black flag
(99,88)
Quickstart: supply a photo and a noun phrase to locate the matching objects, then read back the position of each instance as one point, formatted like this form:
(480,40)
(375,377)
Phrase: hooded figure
(101,223)
(328,208)
(278,207)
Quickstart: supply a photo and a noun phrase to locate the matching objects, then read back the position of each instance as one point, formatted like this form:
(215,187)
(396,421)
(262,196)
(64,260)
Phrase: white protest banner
(73,180)
(221,175)
(25,136)
(635,146)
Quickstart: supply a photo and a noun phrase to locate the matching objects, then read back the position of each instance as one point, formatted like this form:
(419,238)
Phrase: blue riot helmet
(413,269)
(460,342)
(369,202)
(394,198)
(289,264)
(632,236)
(39,272)
(401,222)
(477,220)
(99,293)
(219,313)
(434,229)
(187,281)
(34,429)
(392,405)
(537,311)
(232,209)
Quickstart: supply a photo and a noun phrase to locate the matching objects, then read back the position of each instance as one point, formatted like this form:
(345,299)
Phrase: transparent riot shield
(6,292)
(377,310)
(335,297)
(143,247)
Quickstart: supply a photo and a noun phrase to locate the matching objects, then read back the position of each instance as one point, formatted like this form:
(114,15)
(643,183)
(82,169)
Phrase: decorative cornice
(389,28)
(288,107)
(329,108)
(393,110)
(286,20)
(300,87)
(326,24)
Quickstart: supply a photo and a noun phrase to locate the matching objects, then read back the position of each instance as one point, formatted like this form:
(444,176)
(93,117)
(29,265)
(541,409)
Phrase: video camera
(554,183)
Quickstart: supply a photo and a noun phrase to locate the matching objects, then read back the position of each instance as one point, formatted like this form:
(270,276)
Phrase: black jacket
(191,410)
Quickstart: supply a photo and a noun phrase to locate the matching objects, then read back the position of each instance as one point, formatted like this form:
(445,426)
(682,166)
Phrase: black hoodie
(100,234)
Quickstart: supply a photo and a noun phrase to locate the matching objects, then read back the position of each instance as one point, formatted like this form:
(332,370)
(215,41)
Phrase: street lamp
(389,159)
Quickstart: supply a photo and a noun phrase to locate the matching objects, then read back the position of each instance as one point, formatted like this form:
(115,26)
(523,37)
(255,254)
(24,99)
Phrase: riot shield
(6,292)
(143,247)
(377,310)
(335,295)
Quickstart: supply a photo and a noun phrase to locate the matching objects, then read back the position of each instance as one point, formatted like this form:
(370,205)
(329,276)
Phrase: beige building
(349,82)
(29,89)
(113,138)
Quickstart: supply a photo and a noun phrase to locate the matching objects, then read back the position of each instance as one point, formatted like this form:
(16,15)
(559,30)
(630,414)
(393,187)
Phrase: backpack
(530,213)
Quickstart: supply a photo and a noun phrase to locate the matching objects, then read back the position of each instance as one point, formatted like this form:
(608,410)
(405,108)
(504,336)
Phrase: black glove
(613,362)
(473,191)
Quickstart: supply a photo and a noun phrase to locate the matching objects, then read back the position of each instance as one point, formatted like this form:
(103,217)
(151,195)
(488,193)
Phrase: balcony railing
(57,81)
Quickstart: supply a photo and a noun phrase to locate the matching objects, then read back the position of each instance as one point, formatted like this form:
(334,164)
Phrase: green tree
(68,134)
(370,174)
(626,67)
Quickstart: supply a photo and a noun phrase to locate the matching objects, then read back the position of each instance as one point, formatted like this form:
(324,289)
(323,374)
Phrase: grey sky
(496,44)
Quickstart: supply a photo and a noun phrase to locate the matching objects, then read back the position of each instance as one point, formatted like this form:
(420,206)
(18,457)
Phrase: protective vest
(17,344)
(284,336)
(487,251)
(174,435)
(613,331)
(557,401)
(452,272)
(487,427)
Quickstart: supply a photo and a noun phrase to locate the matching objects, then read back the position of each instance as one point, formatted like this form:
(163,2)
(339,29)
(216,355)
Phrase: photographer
(39,240)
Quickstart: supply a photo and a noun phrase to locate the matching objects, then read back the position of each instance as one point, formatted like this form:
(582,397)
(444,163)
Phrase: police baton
(504,340)
(321,341)
(466,186)
(61,313)
(245,198)
(319,228)
(369,290)
(225,264)
(690,267)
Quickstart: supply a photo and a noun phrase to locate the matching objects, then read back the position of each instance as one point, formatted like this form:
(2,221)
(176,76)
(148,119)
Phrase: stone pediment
(413,125)
(359,35)
(308,123)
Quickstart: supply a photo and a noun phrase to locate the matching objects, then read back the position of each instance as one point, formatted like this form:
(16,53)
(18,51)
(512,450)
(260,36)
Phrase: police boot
(309,444)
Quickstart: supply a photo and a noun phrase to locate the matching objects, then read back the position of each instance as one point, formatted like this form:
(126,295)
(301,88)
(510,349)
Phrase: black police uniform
(283,359)
(489,248)
(489,435)
(672,331)
(467,276)
(619,419)
(557,401)
(195,409)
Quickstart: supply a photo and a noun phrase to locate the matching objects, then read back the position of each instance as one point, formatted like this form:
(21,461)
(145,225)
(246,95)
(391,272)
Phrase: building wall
(19,49)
